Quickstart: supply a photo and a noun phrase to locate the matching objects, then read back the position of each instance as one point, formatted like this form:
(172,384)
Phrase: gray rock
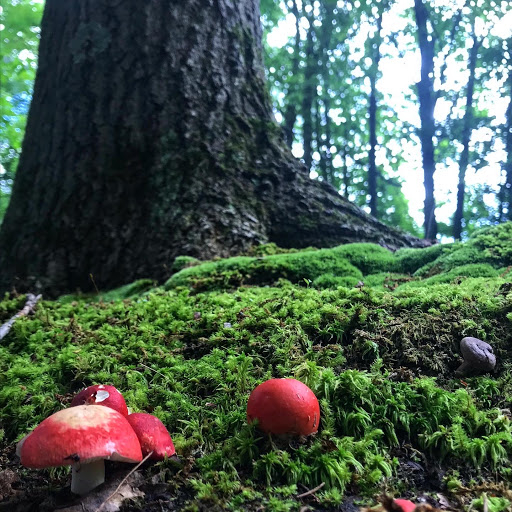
(478,357)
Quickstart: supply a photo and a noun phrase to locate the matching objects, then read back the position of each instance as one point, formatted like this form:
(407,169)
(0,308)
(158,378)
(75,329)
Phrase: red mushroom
(399,505)
(284,406)
(152,434)
(82,437)
(101,394)
(404,505)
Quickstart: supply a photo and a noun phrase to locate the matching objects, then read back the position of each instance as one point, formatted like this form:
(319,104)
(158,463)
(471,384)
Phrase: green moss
(495,242)
(368,258)
(455,275)
(410,260)
(380,358)
(490,245)
(386,280)
(300,267)
(123,292)
(181,262)
(332,281)
(491,503)
(455,256)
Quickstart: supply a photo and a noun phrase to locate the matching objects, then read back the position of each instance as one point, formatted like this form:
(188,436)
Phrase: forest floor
(376,335)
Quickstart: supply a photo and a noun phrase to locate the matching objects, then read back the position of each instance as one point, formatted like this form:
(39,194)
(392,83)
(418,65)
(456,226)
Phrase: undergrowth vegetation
(375,335)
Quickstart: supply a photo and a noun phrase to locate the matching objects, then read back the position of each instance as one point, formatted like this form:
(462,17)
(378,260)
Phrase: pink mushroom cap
(101,394)
(152,434)
(405,505)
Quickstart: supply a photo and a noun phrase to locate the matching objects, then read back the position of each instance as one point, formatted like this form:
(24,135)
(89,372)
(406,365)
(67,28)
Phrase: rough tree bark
(151,135)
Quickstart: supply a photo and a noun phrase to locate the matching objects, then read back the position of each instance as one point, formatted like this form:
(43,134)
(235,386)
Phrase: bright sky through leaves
(399,74)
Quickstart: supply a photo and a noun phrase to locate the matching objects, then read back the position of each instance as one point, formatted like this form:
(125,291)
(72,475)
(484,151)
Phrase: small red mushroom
(404,505)
(152,434)
(284,406)
(101,394)
(81,436)
(398,505)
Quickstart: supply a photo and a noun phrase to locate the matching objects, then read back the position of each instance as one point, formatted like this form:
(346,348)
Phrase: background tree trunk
(309,97)
(466,137)
(372,165)
(427,99)
(506,188)
(290,115)
(151,135)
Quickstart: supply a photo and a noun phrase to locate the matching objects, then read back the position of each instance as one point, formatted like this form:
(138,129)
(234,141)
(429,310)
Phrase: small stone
(227,325)
(478,357)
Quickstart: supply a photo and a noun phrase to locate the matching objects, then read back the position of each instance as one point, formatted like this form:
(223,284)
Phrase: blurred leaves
(19,35)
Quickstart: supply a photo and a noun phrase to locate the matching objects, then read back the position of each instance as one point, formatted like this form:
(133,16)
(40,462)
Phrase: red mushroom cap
(152,434)
(404,505)
(284,406)
(80,434)
(101,394)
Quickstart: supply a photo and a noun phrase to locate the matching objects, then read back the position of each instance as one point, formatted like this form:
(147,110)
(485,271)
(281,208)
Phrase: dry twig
(311,491)
(124,480)
(28,308)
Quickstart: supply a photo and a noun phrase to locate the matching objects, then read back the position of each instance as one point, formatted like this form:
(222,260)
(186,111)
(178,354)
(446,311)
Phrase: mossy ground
(374,334)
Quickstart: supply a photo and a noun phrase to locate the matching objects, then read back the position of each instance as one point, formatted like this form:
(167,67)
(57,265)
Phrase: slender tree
(506,187)
(467,128)
(151,135)
(309,96)
(427,100)
(374,70)
(290,115)
(432,43)
(324,132)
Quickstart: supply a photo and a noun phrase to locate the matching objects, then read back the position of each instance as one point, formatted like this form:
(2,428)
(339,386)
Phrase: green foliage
(18,54)
(491,503)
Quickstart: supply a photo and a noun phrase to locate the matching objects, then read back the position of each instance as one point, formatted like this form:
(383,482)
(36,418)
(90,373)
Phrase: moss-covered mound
(348,264)
(375,335)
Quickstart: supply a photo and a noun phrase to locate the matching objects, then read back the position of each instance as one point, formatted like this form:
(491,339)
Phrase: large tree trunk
(427,99)
(151,135)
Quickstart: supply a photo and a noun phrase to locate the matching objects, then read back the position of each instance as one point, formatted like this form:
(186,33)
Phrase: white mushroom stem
(85,477)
